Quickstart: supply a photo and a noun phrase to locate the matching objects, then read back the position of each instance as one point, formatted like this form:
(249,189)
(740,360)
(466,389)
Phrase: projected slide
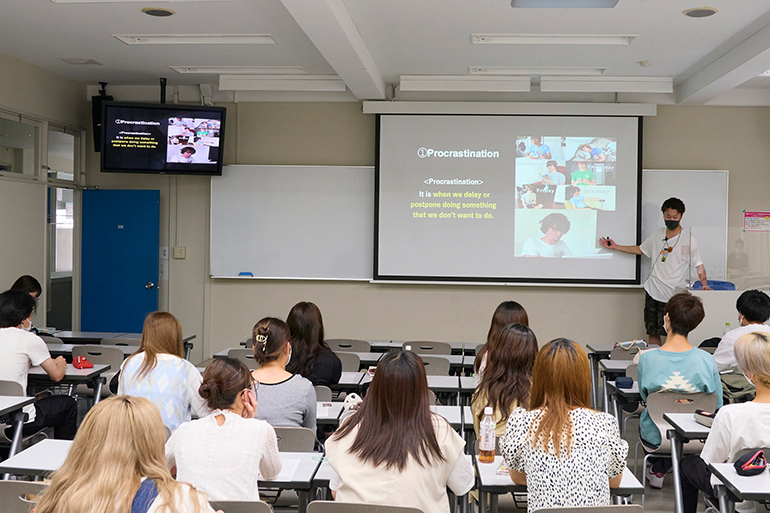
(506,198)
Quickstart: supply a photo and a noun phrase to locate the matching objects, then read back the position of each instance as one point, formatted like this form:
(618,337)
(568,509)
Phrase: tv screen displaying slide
(162,138)
(507,198)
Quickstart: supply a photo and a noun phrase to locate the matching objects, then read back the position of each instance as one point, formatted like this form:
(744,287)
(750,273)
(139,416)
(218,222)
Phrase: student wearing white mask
(753,311)
(284,399)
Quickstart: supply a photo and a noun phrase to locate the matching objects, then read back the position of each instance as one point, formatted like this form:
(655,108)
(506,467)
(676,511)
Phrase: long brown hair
(307,337)
(394,421)
(508,372)
(161,333)
(120,441)
(269,337)
(507,312)
(561,381)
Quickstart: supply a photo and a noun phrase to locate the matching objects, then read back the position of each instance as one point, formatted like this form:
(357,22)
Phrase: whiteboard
(705,198)
(293,222)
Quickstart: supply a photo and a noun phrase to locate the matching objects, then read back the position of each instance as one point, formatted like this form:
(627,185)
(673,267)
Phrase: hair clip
(262,339)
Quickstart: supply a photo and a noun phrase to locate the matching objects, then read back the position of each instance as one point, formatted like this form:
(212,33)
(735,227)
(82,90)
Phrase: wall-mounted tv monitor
(162,138)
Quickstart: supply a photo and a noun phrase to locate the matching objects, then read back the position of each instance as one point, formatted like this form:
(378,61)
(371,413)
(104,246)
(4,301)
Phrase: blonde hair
(120,441)
(161,333)
(752,351)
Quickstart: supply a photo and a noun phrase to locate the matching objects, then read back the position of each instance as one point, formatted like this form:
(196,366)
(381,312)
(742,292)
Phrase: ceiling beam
(331,29)
(745,61)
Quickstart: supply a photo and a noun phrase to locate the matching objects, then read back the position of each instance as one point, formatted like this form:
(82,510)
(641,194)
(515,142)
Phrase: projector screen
(507,198)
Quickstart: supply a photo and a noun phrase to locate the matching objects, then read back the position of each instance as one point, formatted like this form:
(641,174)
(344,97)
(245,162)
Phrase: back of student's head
(269,336)
(306,327)
(28,284)
(561,381)
(162,333)
(508,371)
(120,441)
(507,312)
(15,306)
(394,420)
(752,351)
(754,306)
(223,380)
(685,312)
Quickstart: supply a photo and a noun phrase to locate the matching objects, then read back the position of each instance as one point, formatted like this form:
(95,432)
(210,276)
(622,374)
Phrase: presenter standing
(672,251)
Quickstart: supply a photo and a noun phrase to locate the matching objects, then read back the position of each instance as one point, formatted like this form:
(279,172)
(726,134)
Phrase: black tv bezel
(171,108)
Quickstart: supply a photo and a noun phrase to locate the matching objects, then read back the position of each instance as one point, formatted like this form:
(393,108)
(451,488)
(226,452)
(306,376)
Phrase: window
(19,147)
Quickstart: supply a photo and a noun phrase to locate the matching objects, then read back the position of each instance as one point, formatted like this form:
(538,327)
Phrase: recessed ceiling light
(607,84)
(281,83)
(700,12)
(645,64)
(765,73)
(82,62)
(241,70)
(465,83)
(160,12)
(551,39)
(200,39)
(564,4)
(515,71)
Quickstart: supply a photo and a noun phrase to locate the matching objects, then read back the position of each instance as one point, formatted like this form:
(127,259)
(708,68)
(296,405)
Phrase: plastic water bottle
(727,328)
(487,437)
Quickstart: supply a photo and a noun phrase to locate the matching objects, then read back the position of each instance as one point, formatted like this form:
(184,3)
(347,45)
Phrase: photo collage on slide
(563,185)
(193,140)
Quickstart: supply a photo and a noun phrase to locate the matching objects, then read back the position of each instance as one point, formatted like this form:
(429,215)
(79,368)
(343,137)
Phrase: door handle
(149,285)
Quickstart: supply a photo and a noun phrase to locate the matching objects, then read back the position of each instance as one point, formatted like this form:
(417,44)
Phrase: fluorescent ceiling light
(765,73)
(551,39)
(281,83)
(507,70)
(607,84)
(241,70)
(200,39)
(459,83)
(564,4)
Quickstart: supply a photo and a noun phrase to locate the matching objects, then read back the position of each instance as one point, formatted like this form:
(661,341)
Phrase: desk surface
(304,466)
(615,366)
(453,414)
(600,350)
(66,349)
(627,393)
(686,425)
(71,375)
(90,335)
(328,412)
(10,404)
(467,383)
(41,458)
(752,488)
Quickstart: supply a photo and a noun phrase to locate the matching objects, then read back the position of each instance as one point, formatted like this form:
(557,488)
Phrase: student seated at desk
(31,286)
(753,311)
(676,366)
(285,399)
(507,312)
(311,357)
(736,426)
(393,450)
(507,376)
(19,351)
(116,464)
(223,453)
(159,372)
(564,452)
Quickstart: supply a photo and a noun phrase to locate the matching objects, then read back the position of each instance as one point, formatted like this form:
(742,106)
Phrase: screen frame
(172,108)
(636,281)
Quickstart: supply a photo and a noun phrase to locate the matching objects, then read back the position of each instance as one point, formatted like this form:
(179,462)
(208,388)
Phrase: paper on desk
(287,471)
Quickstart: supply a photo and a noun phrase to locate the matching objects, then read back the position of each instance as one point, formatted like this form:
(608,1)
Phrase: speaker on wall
(96,114)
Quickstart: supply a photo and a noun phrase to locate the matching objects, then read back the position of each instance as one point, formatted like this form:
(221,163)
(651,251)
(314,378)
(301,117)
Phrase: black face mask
(671,225)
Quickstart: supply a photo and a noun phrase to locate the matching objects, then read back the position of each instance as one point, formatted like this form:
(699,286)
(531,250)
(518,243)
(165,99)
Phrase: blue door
(121,231)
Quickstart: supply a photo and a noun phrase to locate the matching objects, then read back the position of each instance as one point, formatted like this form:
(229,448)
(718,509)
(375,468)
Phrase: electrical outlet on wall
(180,252)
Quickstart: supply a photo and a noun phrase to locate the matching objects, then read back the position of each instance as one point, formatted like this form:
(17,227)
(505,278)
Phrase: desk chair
(50,339)
(13,495)
(241,506)
(348,344)
(350,362)
(435,365)
(430,348)
(244,355)
(624,508)
(295,439)
(99,355)
(121,341)
(13,389)
(662,402)
(323,394)
(349,507)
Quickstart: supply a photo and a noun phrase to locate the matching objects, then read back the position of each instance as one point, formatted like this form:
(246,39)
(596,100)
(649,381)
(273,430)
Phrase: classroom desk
(747,488)
(86,337)
(300,479)
(615,368)
(597,352)
(65,350)
(328,413)
(350,381)
(467,387)
(11,412)
(685,428)
(367,358)
(628,394)
(72,376)
(469,432)
(489,481)
(38,460)
(453,415)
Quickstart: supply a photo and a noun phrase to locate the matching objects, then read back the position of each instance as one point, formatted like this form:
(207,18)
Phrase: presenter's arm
(702,276)
(608,243)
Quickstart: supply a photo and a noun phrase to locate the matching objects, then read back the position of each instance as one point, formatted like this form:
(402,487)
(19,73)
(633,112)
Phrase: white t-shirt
(536,247)
(20,350)
(725,353)
(672,273)
(183,160)
(736,427)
